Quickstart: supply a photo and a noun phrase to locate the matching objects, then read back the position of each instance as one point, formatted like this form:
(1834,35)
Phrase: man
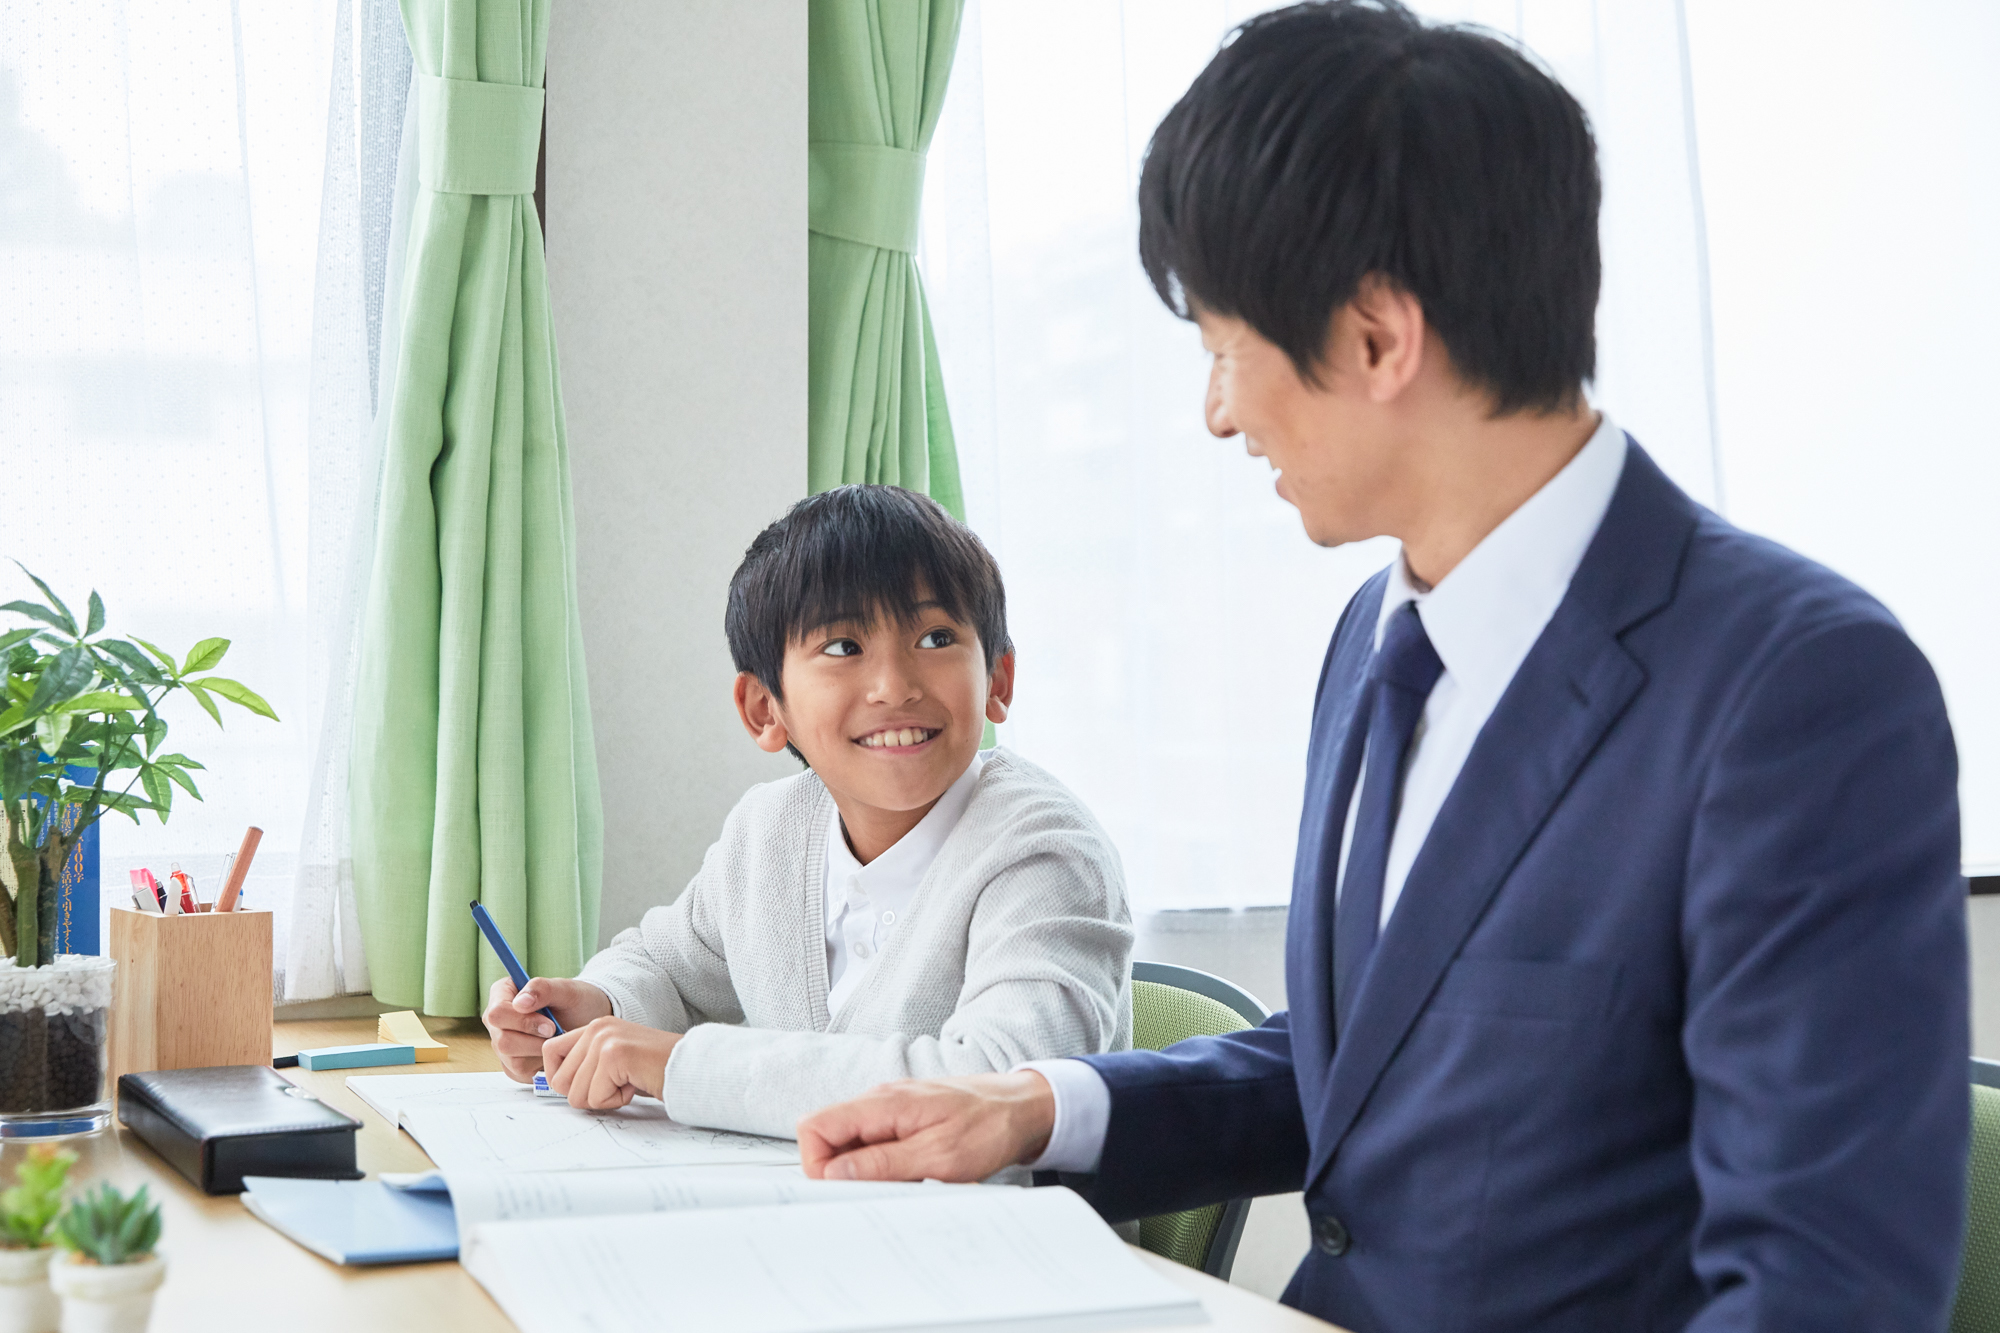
(1627,953)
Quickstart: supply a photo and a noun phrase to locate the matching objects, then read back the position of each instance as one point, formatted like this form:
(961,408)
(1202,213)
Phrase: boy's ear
(1000,689)
(759,711)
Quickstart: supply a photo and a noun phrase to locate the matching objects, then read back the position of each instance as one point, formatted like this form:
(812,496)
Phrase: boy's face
(888,715)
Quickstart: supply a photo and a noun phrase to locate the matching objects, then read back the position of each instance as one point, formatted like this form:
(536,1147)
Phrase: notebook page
(480,1197)
(544,1134)
(995,1255)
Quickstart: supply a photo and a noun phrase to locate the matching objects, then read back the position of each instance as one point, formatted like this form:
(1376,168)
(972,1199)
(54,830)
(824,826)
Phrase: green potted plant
(80,734)
(27,1217)
(108,1277)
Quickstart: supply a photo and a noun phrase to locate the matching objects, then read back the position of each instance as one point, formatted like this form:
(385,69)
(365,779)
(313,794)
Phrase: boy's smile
(888,714)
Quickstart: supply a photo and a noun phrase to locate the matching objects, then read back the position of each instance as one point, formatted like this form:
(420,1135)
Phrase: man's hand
(517,1025)
(957,1129)
(608,1062)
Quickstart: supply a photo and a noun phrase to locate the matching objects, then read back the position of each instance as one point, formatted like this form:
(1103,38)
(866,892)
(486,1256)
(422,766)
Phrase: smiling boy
(909,906)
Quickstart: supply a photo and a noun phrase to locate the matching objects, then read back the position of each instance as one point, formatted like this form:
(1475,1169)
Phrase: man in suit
(1626,953)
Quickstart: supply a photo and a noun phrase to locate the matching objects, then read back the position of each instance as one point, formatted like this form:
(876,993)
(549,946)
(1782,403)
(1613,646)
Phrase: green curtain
(474,775)
(877,71)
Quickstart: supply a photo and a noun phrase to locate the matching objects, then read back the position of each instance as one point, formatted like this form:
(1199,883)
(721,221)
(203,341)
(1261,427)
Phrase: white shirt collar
(898,871)
(1485,615)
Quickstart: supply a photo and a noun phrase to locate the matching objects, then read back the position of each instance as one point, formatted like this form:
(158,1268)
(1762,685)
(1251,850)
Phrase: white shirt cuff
(1083,1114)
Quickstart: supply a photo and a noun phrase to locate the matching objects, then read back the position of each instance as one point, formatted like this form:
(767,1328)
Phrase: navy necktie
(1400,678)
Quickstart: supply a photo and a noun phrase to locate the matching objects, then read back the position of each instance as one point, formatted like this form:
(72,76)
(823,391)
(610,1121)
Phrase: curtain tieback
(865,192)
(477,138)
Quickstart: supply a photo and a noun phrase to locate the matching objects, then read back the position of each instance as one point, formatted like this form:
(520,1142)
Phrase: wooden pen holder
(192,990)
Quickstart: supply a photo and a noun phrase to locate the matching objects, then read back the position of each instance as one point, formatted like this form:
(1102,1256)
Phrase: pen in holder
(194,990)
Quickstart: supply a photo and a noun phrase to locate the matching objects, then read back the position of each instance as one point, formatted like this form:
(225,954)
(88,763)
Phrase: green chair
(1170,1004)
(1978,1306)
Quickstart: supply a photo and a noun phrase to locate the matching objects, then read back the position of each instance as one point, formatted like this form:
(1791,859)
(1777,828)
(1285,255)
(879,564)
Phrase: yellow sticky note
(406,1029)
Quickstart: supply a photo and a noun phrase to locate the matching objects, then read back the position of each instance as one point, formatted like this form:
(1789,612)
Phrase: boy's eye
(938,638)
(842,648)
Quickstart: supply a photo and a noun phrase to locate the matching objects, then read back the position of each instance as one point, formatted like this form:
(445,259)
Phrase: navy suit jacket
(1669,1026)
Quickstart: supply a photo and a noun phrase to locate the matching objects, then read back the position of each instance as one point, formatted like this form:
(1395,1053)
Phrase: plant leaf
(204,656)
(160,653)
(156,731)
(14,636)
(13,719)
(97,701)
(201,697)
(68,620)
(136,662)
(181,779)
(180,761)
(52,729)
(69,675)
(158,789)
(236,693)
(95,620)
(41,613)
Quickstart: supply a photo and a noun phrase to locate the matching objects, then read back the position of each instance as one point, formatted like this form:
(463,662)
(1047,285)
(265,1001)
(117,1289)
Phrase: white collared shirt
(863,903)
(1482,619)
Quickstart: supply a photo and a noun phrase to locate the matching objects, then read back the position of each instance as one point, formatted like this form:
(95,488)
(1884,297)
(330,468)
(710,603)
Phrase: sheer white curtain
(193,241)
(159,190)
(1169,613)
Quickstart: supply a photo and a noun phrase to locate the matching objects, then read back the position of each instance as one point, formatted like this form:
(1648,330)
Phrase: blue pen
(507,958)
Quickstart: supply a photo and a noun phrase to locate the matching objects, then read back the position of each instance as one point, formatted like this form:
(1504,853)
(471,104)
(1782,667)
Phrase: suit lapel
(1567,694)
(1309,928)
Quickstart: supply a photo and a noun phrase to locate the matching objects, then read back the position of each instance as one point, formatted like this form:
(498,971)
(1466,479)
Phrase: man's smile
(899,738)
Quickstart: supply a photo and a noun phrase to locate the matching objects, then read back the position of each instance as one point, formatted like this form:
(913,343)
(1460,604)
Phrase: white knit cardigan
(1017,946)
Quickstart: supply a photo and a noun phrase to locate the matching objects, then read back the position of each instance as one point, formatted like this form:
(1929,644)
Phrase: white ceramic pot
(101,1299)
(26,1303)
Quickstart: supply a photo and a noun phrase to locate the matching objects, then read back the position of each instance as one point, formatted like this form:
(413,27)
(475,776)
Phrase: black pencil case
(218,1125)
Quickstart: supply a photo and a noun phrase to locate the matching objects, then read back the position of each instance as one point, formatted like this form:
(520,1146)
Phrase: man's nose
(895,681)
(1215,410)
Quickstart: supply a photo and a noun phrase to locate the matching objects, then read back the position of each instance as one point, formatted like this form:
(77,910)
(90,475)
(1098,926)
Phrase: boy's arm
(1045,975)
(670,971)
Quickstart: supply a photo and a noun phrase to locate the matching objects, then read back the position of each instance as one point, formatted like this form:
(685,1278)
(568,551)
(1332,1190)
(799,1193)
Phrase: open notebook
(626,1220)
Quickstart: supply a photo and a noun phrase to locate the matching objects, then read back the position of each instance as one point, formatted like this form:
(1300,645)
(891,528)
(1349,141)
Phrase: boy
(907,907)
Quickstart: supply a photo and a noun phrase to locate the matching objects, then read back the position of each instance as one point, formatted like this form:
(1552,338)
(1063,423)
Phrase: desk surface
(227,1270)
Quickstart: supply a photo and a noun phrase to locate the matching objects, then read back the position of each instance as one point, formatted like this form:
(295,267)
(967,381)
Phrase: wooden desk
(226,1270)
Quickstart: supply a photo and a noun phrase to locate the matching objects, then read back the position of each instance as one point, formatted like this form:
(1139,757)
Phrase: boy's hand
(517,1024)
(608,1062)
(956,1129)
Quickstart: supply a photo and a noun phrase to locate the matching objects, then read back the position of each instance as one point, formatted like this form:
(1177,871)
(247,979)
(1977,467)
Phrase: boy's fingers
(517,1045)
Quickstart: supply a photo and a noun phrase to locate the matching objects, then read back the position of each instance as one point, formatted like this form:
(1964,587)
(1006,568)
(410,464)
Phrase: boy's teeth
(906,736)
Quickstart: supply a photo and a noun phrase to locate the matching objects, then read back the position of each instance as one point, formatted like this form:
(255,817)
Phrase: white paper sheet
(990,1256)
(487,1123)
(479,1197)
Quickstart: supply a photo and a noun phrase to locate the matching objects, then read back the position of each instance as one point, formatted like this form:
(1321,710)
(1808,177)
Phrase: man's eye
(938,638)
(842,648)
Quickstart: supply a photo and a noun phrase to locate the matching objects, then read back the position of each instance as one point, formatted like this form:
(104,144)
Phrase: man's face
(1329,445)
(890,715)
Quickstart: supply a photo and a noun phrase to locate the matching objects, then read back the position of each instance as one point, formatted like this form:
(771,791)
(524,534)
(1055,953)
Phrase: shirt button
(862,950)
(888,918)
(1330,1236)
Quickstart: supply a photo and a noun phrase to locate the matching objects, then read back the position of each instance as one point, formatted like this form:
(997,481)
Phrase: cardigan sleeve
(671,971)
(1046,973)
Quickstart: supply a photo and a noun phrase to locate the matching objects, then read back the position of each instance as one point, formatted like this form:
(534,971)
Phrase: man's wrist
(1035,1112)
(1079,1114)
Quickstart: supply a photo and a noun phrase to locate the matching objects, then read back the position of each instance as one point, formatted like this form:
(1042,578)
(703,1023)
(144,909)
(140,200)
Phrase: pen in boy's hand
(515,972)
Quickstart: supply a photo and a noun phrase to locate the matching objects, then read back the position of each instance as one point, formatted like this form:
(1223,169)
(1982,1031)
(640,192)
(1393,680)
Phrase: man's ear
(1000,689)
(1378,336)
(759,710)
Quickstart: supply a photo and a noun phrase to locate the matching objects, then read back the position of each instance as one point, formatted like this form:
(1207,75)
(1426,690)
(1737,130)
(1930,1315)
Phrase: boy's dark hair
(859,553)
(1329,141)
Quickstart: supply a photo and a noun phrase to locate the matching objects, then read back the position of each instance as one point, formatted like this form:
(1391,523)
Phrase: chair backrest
(1171,1003)
(1977,1309)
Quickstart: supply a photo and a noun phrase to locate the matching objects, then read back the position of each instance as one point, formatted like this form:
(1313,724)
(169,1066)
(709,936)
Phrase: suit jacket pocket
(1525,988)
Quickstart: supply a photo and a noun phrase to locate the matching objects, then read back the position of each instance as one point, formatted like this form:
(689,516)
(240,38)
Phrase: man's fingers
(900,1160)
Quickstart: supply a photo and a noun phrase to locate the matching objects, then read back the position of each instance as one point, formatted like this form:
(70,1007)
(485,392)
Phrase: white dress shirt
(863,902)
(1482,619)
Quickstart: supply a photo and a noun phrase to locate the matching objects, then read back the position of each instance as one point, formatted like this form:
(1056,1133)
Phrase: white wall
(676,197)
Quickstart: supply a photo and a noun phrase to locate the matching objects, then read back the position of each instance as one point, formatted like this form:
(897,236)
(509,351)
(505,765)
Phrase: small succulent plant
(106,1227)
(29,1207)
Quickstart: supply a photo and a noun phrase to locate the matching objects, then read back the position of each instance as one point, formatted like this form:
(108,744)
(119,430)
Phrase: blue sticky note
(358,1057)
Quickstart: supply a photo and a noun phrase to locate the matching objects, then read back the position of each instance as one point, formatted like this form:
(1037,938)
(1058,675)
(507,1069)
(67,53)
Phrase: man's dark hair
(863,553)
(1326,142)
